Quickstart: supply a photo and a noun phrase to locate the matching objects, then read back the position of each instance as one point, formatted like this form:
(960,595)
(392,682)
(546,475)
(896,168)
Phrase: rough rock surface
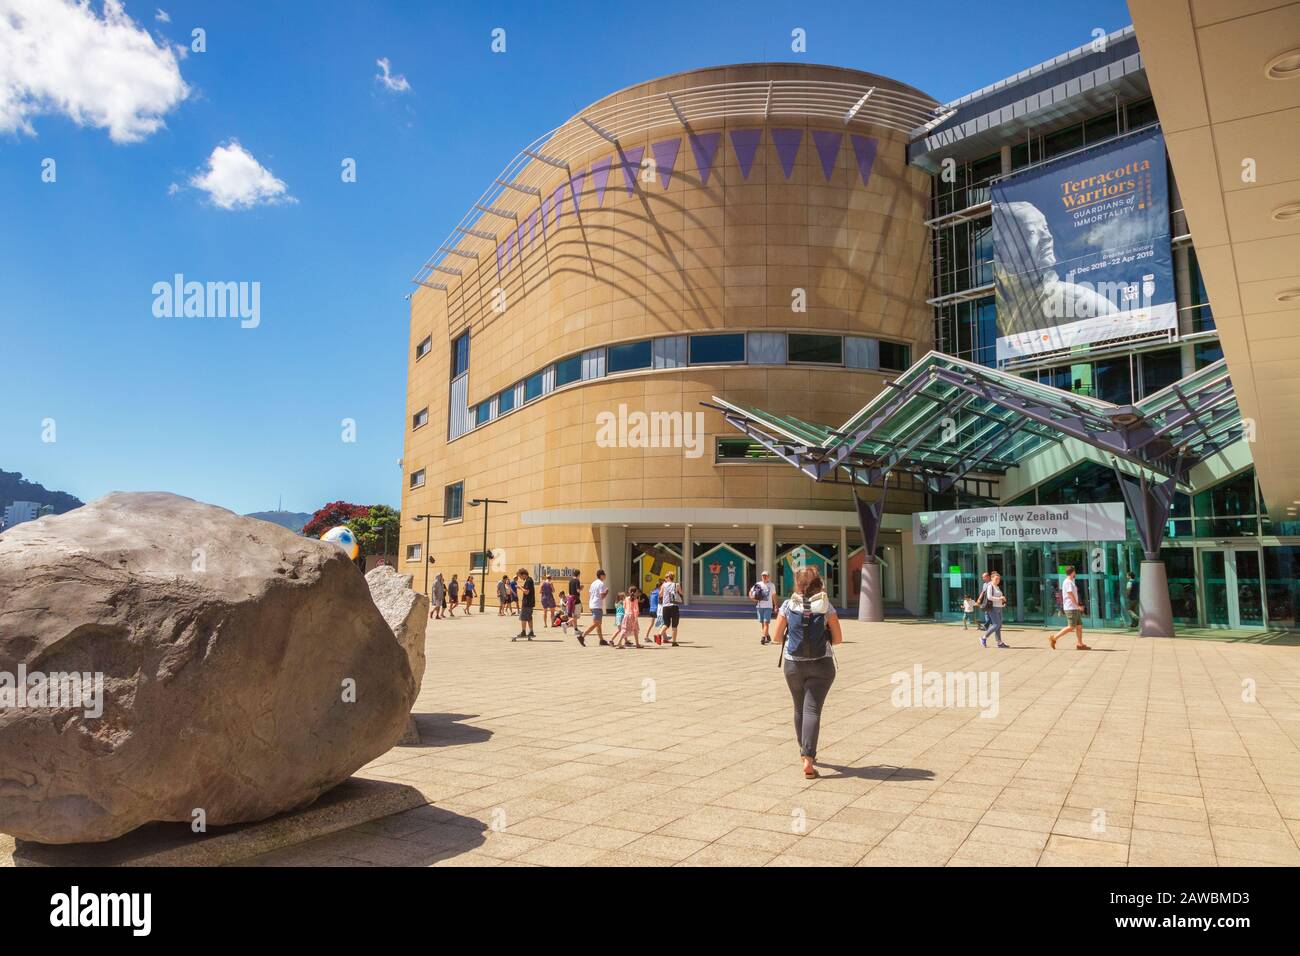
(407,613)
(227,646)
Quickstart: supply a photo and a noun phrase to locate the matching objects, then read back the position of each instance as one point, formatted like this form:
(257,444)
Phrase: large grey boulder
(406,611)
(246,670)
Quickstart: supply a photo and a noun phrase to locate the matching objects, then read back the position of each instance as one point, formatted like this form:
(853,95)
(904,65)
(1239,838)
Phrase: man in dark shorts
(670,598)
(527,601)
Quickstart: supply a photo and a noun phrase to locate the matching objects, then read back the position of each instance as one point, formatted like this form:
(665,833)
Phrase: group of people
(663,601)
(992,601)
(448,595)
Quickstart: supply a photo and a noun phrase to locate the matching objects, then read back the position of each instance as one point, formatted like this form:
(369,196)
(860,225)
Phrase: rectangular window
(819,349)
(628,357)
(1141,113)
(424,348)
(732,450)
(460,355)
(453,502)
(1208,353)
(895,356)
(1160,370)
(717,349)
(568,370)
(482,413)
(417,479)
(420,418)
(533,387)
(476,562)
(414,552)
(506,400)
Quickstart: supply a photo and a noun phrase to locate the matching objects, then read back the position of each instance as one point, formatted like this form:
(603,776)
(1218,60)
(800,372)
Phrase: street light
(427,560)
(474,503)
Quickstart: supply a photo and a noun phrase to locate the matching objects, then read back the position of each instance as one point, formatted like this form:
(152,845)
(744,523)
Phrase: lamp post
(427,559)
(474,503)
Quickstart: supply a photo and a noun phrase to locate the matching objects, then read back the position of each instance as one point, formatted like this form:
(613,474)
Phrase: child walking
(967,612)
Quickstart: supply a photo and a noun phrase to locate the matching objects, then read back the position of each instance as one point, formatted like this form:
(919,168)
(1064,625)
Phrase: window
(820,349)
(420,418)
(568,370)
(626,358)
(1160,370)
(732,450)
(895,356)
(476,562)
(424,348)
(483,413)
(533,387)
(717,349)
(1054,144)
(1101,128)
(453,502)
(414,552)
(1198,315)
(460,355)
(1208,353)
(417,479)
(506,400)
(1141,113)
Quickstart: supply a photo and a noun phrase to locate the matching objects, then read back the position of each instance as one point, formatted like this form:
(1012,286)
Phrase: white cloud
(162,16)
(394,84)
(57,56)
(233,179)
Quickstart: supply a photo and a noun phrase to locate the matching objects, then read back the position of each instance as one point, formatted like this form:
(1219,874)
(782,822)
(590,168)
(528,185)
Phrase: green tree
(371,528)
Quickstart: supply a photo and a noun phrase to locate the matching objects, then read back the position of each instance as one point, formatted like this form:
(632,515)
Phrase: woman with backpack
(806,628)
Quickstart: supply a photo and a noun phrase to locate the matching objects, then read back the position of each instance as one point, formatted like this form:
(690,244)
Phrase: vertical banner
(1081,249)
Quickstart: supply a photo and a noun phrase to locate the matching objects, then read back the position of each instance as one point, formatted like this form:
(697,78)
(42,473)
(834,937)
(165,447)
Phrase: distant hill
(293,520)
(14,487)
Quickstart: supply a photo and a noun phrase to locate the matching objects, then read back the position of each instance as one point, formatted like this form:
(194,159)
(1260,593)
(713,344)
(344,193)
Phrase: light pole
(427,559)
(474,503)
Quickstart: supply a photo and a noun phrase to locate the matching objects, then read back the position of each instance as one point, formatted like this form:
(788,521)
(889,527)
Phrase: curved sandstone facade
(665,222)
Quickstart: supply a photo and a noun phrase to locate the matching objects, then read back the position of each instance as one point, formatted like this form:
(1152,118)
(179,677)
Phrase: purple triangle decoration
(501,251)
(705,148)
(745,144)
(575,190)
(519,233)
(787,147)
(631,166)
(512,242)
(532,225)
(557,203)
(828,149)
(864,150)
(665,154)
(600,178)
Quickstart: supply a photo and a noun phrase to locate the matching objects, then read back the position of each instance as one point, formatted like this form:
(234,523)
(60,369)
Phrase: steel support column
(1148,504)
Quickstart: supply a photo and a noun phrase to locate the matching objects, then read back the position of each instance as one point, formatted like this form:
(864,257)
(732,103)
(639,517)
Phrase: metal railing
(522,185)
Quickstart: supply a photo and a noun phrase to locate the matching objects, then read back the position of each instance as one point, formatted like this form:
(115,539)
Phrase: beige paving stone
(554,741)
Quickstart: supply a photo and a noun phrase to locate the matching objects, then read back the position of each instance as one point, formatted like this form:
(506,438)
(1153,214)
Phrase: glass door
(1214,586)
(1232,587)
(1250,606)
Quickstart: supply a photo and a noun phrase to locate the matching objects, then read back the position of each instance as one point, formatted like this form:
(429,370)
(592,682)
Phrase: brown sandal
(1082,647)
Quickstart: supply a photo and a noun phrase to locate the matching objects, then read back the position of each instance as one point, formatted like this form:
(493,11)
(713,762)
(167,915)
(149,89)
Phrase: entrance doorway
(1232,587)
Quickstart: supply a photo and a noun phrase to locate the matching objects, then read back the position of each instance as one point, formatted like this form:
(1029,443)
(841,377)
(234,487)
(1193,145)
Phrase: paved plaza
(1140,752)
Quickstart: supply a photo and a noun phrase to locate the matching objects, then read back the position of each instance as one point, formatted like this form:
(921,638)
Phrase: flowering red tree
(334,513)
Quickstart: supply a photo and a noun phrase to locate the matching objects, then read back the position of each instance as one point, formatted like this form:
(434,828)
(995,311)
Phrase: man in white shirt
(761,594)
(1073,609)
(599,591)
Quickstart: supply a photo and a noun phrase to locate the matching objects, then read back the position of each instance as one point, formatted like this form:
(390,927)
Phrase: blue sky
(240,417)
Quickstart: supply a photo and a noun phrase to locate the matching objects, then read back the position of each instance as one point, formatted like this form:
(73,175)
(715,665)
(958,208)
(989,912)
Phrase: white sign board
(1094,522)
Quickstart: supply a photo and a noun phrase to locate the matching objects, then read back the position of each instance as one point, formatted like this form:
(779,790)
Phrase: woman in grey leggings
(810,670)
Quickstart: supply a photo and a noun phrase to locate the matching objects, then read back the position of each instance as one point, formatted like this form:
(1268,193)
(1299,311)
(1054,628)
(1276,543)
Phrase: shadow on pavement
(879,772)
(443,730)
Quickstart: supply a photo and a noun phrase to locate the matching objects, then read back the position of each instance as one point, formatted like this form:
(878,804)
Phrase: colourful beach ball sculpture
(344,537)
